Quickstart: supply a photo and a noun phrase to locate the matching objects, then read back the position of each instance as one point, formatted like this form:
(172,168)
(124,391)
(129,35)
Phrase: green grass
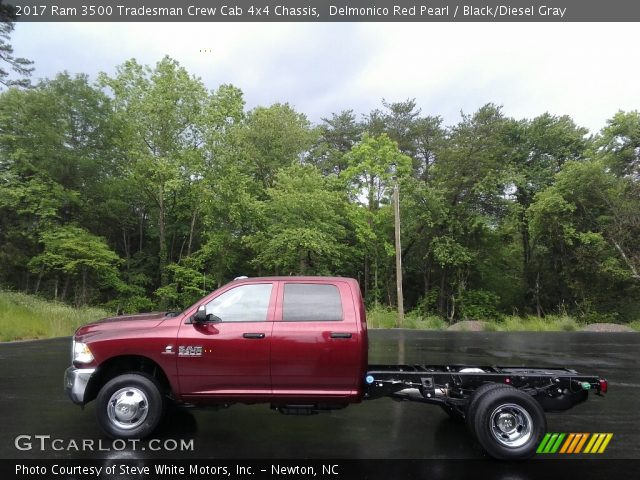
(24,317)
(550,323)
(383,317)
(635,325)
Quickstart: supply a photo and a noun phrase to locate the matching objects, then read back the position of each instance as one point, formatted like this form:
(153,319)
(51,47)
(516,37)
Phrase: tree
(338,135)
(398,121)
(56,155)
(374,165)
(574,225)
(186,285)
(540,149)
(146,190)
(619,143)
(19,65)
(271,138)
(75,254)
(618,146)
(303,226)
(419,137)
(469,179)
(163,112)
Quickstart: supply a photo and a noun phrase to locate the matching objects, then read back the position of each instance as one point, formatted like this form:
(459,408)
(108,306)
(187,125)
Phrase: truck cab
(298,343)
(289,339)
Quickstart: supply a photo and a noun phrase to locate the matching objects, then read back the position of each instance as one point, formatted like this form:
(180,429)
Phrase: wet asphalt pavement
(32,402)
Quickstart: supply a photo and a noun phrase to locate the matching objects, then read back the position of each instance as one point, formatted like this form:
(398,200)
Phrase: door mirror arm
(201,316)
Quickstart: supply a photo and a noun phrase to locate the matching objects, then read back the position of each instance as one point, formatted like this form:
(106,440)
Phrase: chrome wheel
(127,408)
(511,425)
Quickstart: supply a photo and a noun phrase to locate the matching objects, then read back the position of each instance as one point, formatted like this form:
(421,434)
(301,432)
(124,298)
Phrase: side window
(308,302)
(246,303)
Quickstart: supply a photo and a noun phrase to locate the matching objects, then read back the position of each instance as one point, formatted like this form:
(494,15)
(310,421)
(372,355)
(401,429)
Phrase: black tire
(129,406)
(509,424)
(475,400)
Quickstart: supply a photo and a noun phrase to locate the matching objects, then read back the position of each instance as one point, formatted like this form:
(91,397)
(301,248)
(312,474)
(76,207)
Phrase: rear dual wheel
(472,407)
(507,423)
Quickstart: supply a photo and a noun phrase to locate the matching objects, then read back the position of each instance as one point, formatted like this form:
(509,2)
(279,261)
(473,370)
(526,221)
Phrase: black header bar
(340,469)
(324,10)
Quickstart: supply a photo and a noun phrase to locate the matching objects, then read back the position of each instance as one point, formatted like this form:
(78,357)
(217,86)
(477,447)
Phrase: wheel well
(124,364)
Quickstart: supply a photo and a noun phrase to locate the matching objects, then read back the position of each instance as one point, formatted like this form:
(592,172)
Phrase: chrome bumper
(75,383)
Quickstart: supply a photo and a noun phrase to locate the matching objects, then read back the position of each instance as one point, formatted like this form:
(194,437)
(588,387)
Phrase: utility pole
(396,215)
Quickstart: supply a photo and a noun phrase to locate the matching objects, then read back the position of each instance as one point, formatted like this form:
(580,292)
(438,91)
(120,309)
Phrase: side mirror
(201,315)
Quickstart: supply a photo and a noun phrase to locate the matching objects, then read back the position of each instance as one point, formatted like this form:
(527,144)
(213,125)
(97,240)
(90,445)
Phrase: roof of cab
(308,278)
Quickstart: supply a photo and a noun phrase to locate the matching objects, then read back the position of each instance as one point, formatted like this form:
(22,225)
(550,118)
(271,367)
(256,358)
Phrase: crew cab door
(315,346)
(229,355)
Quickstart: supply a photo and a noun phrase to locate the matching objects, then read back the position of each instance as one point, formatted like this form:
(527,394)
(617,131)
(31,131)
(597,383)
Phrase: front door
(229,354)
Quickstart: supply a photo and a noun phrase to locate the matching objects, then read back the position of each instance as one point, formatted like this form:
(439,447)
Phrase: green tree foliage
(168,118)
(74,253)
(374,166)
(418,137)
(469,179)
(8,61)
(573,223)
(337,136)
(302,229)
(161,109)
(187,284)
(619,144)
(55,150)
(272,138)
(146,190)
(540,149)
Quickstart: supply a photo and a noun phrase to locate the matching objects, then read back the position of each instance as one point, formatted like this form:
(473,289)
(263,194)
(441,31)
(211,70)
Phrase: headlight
(81,352)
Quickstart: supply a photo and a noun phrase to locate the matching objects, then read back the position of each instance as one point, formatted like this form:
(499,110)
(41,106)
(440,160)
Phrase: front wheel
(509,424)
(129,406)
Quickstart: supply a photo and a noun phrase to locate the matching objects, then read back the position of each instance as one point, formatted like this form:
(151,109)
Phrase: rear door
(315,344)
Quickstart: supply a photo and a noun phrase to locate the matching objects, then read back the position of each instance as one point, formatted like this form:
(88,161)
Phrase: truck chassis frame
(503,407)
(454,385)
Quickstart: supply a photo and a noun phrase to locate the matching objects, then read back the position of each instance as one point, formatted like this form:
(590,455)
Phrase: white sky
(586,70)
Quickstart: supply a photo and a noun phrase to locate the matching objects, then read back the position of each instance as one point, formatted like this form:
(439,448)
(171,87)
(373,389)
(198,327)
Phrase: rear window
(309,302)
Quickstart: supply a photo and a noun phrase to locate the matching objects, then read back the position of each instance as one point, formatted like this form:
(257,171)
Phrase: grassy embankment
(25,317)
(386,318)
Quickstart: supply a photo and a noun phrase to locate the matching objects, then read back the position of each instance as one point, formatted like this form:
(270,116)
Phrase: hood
(135,317)
(121,322)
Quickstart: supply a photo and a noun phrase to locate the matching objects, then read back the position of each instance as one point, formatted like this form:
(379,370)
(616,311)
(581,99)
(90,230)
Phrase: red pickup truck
(299,344)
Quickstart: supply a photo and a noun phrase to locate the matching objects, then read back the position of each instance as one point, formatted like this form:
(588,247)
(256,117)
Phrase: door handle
(340,335)
(253,335)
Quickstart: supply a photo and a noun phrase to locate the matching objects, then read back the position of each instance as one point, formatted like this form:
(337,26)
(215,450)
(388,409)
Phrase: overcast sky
(588,71)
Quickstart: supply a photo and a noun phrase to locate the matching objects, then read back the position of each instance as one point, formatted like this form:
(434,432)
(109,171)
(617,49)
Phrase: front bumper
(75,383)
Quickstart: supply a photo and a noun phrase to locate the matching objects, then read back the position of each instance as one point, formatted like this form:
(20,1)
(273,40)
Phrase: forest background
(144,190)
